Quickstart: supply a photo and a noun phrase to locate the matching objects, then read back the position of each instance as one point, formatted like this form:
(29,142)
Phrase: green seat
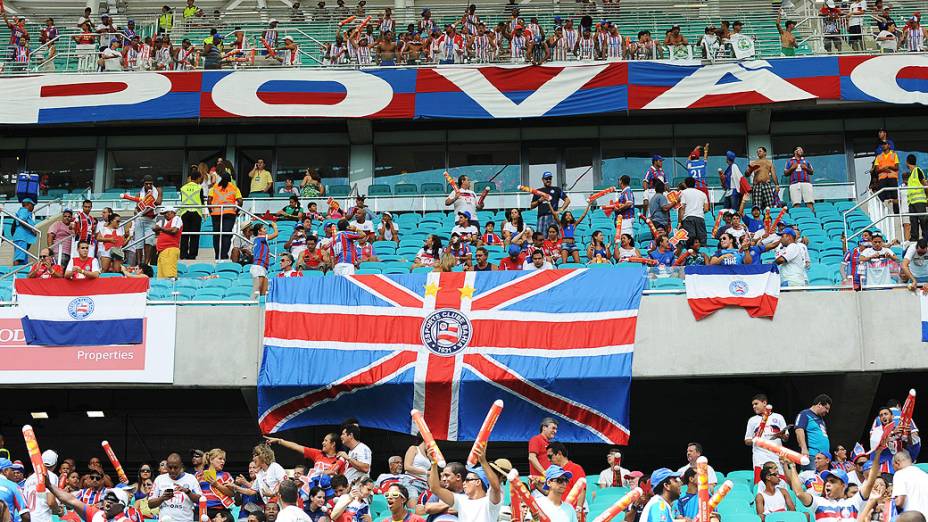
(379,190)
(432,188)
(338,191)
(405,189)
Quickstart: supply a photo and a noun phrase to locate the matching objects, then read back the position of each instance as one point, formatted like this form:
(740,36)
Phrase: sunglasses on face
(472,479)
(560,480)
(393,494)
(146,470)
(95,477)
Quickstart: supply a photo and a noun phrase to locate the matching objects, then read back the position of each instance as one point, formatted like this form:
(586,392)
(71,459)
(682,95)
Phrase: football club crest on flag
(549,342)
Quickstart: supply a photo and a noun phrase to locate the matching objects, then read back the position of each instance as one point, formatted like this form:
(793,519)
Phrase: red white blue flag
(550,343)
(756,288)
(62,312)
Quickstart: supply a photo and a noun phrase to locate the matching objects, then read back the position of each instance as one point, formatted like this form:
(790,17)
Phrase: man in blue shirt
(687,505)
(810,428)
(10,493)
(24,232)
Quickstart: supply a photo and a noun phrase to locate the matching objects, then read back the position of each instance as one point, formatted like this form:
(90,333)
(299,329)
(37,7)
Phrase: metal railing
(4,215)
(899,195)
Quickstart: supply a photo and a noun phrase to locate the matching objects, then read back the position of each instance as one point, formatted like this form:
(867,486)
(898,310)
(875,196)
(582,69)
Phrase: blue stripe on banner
(731,270)
(594,290)
(83,333)
(925,331)
(324,291)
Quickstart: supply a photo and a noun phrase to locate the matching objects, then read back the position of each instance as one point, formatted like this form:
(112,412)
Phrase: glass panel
(541,160)
(63,170)
(718,148)
(11,164)
(632,157)
(330,162)
(409,164)
(485,161)
(208,156)
(247,158)
(578,168)
(824,151)
(127,167)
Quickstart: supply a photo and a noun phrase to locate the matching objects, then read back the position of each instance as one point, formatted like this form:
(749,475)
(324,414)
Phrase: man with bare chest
(386,49)
(765,182)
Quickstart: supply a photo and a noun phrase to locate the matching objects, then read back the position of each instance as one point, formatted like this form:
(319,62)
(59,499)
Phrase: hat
(791,232)
(839,474)
(360,196)
(660,475)
(515,250)
(148,179)
(49,458)
(657,157)
(168,208)
(5,463)
(547,175)
(273,21)
(104,15)
(825,453)
(28,200)
(674,26)
(830,4)
(465,214)
(288,37)
(388,214)
(554,472)
(558,18)
(730,155)
(18,464)
(426,11)
(120,495)
(483,477)
(634,474)
(502,467)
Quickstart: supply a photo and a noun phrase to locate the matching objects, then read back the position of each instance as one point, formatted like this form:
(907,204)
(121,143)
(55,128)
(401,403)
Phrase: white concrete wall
(813,332)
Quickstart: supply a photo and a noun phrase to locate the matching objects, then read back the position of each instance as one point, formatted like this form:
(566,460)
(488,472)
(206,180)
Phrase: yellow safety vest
(166,21)
(190,198)
(916,196)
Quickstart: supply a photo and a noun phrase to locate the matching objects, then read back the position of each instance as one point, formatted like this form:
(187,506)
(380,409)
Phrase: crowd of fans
(338,484)
(671,232)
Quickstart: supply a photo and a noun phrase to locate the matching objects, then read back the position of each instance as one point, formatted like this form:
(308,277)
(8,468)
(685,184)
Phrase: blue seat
(371,265)
(188,283)
(396,270)
(238,295)
(200,268)
(218,282)
(378,189)
(228,266)
(405,189)
(432,188)
(422,270)
(185,293)
(337,191)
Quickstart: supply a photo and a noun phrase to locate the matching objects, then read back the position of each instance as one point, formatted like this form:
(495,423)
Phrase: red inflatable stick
(515,504)
(702,488)
(767,220)
(618,227)
(203,516)
(535,192)
(793,456)
(430,444)
(763,421)
(521,491)
(35,455)
(643,260)
(679,235)
(577,492)
(346,20)
(773,226)
(115,462)
(600,194)
(720,494)
(908,408)
(451,182)
(620,506)
(673,197)
(483,196)
(484,434)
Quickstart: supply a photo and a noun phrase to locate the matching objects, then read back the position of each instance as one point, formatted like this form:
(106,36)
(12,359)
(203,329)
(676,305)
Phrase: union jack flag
(549,342)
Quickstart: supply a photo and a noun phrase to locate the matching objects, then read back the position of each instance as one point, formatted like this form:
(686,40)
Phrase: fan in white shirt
(288,492)
(774,431)
(910,484)
(482,498)
(693,452)
(176,493)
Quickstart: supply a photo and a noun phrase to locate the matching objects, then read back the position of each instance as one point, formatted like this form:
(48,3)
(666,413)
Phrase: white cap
(830,4)
(273,21)
(119,494)
(49,458)
(288,37)
(168,208)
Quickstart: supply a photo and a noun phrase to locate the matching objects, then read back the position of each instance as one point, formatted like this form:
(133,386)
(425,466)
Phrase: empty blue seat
(378,189)
(405,188)
(338,191)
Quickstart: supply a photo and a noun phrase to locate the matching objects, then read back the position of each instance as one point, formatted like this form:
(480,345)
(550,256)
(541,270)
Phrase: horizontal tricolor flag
(62,312)
(756,288)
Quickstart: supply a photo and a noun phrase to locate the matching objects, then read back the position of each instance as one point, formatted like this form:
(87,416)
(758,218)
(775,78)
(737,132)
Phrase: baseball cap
(554,472)
(731,155)
(273,21)
(547,175)
(660,475)
(168,208)
(634,475)
(465,214)
(120,495)
(148,179)
(483,477)
(18,464)
(5,463)
(28,200)
(515,250)
(791,232)
(49,458)
(839,474)
(827,454)
(288,37)
(657,157)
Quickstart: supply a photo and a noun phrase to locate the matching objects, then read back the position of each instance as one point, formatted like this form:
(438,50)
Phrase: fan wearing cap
(666,486)
(169,229)
(696,167)
(482,498)
(654,172)
(465,228)
(831,17)
(10,494)
(556,482)
(115,505)
(42,507)
(557,455)
(23,232)
(791,258)
(289,54)
(545,211)
(833,504)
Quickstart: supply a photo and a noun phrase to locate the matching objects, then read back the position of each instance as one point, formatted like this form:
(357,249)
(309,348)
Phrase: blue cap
(28,200)
(826,453)
(547,175)
(557,18)
(5,463)
(19,465)
(839,474)
(791,232)
(465,214)
(661,475)
(554,472)
(657,157)
(483,477)
(515,250)
(731,155)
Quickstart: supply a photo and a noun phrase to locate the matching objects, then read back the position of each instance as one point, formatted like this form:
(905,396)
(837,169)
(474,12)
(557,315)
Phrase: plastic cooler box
(27,186)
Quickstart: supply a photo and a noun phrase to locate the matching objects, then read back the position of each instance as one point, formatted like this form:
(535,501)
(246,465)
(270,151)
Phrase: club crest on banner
(80,308)
(446,332)
(738,288)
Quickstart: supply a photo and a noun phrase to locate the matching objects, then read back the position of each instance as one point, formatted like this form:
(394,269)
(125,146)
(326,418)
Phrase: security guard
(191,213)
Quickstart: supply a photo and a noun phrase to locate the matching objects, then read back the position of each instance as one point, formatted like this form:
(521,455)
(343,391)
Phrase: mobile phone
(169,491)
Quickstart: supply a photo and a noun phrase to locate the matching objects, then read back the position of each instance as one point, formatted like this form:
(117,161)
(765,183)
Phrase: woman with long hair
(598,251)
(311,186)
(430,252)
(215,483)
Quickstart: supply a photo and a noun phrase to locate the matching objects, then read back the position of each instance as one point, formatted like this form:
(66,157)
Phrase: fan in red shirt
(325,461)
(538,446)
(46,267)
(514,262)
(312,258)
(557,455)
(115,506)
